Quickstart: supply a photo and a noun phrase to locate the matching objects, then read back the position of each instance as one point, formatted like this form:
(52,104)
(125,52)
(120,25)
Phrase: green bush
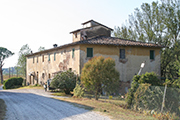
(149,97)
(130,95)
(78,91)
(65,81)
(12,82)
(150,78)
(99,74)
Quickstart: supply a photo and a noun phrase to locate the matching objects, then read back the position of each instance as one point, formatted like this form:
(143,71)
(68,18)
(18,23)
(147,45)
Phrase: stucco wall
(88,33)
(75,39)
(129,66)
(63,62)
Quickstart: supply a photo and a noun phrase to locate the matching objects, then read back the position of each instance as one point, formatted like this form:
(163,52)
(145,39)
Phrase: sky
(47,22)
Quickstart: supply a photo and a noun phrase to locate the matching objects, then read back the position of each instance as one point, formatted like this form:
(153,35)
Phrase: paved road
(32,104)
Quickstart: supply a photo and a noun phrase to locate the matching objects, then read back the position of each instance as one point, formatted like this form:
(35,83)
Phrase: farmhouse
(94,39)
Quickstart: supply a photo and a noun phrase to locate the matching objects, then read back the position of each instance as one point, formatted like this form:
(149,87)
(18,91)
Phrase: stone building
(94,39)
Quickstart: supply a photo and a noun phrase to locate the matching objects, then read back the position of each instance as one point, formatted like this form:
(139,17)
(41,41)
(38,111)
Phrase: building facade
(94,39)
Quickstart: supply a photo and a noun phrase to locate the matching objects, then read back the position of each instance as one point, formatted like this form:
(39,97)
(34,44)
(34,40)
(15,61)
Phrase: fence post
(163,103)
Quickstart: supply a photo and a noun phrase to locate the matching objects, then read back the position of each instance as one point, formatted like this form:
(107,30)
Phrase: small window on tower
(75,35)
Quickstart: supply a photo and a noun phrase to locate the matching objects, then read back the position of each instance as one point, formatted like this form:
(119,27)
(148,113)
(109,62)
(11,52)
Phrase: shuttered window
(43,58)
(122,54)
(89,52)
(37,59)
(49,57)
(73,52)
(152,55)
(54,56)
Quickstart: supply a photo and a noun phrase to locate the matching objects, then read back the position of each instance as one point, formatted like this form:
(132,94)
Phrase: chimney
(55,45)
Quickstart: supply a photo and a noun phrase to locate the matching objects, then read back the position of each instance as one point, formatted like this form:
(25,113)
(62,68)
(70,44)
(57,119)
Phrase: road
(35,104)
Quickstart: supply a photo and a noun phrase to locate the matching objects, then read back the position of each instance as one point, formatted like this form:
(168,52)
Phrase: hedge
(11,82)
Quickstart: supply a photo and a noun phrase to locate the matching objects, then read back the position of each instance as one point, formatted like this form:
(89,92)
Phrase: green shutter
(89,52)
(152,54)
(49,57)
(73,53)
(122,54)
(54,56)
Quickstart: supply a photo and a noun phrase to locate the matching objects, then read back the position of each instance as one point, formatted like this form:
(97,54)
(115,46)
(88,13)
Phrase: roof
(104,41)
(117,42)
(91,26)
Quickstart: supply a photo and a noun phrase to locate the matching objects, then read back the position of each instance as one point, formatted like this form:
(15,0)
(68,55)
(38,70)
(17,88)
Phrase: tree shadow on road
(40,107)
(78,105)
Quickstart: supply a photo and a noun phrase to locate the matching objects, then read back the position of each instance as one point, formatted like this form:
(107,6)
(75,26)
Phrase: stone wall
(60,60)
(131,64)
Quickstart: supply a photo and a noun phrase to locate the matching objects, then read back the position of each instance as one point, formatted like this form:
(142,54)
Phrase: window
(75,35)
(37,59)
(33,59)
(49,75)
(152,55)
(37,76)
(54,56)
(122,54)
(73,52)
(43,75)
(43,58)
(49,58)
(89,52)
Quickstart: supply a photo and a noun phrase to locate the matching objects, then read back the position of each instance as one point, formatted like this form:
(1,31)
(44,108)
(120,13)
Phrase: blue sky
(46,22)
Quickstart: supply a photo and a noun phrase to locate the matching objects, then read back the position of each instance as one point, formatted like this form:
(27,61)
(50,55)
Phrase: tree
(4,53)
(17,68)
(147,78)
(158,22)
(41,48)
(100,74)
(65,81)
(25,50)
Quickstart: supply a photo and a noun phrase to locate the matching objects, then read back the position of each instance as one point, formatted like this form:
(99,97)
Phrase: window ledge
(151,60)
(123,60)
(88,58)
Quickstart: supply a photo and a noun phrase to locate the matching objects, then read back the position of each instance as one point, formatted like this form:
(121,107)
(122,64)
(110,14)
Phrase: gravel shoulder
(35,104)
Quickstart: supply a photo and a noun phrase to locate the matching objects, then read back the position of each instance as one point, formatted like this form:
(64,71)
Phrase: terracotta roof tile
(117,42)
(104,41)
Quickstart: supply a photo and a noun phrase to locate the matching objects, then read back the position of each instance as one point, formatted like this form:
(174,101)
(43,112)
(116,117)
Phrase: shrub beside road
(2,109)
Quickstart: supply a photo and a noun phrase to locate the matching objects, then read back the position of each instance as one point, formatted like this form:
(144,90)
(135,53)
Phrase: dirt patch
(2,109)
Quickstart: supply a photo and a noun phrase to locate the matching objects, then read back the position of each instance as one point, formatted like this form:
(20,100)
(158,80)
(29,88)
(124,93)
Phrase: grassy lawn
(108,107)
(60,94)
(2,109)
(112,108)
(31,87)
(5,77)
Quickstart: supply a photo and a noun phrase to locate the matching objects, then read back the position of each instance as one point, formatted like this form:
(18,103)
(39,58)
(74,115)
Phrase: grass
(115,109)
(5,77)
(31,87)
(112,108)
(2,109)
(60,94)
